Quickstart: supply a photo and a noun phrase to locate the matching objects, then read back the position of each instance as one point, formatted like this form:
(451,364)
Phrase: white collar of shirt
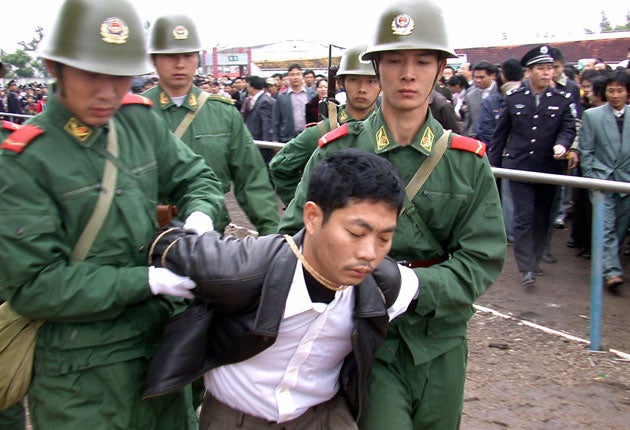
(618,113)
(257,96)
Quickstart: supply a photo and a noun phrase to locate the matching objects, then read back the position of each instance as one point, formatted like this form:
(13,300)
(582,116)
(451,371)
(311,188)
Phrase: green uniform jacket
(100,310)
(220,136)
(288,164)
(459,204)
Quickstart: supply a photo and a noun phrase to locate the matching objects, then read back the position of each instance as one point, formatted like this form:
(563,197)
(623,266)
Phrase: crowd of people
(349,310)
(28,99)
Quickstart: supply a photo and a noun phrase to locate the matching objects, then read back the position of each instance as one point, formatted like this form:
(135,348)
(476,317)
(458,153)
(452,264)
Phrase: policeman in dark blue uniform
(539,123)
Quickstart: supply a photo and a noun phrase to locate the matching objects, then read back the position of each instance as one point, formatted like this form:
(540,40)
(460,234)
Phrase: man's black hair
(353,175)
(512,70)
(256,82)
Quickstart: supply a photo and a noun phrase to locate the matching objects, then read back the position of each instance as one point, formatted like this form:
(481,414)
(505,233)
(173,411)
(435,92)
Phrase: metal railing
(7,115)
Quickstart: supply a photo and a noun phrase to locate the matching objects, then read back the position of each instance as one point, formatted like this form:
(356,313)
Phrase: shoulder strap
(104,201)
(414,185)
(188,119)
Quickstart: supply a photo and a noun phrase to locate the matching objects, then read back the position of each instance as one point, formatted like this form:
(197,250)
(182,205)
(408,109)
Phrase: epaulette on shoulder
(333,135)
(136,99)
(469,144)
(219,98)
(19,139)
(515,90)
(11,126)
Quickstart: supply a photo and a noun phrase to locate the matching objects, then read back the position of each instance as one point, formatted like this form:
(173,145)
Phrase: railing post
(597,276)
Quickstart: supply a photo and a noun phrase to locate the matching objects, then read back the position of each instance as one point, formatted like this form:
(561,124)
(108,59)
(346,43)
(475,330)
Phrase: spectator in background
(605,154)
(588,98)
(29,107)
(258,116)
(238,91)
(312,107)
(215,88)
(310,81)
(13,102)
(443,111)
(204,86)
(466,71)
(448,72)
(512,77)
(563,202)
(484,76)
(458,86)
(289,112)
(594,87)
(271,86)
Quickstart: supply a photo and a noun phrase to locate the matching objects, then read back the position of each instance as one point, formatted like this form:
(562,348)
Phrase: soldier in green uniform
(105,310)
(358,79)
(451,231)
(216,131)
(11,418)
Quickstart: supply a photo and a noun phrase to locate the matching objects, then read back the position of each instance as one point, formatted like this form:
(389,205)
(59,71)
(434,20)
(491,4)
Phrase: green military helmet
(174,34)
(410,24)
(99,36)
(352,64)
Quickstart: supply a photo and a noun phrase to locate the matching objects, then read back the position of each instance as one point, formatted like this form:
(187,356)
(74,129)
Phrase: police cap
(538,55)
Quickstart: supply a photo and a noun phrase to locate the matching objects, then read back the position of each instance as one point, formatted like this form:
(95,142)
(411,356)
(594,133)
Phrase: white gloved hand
(199,222)
(559,151)
(163,281)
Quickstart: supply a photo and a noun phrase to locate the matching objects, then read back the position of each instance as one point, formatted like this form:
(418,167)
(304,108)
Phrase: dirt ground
(521,377)
(524,378)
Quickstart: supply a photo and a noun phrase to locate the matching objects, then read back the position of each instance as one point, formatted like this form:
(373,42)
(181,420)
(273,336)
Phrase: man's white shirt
(301,369)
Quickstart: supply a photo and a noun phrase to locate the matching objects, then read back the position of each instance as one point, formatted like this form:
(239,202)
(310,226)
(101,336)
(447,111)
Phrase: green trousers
(404,396)
(13,418)
(105,397)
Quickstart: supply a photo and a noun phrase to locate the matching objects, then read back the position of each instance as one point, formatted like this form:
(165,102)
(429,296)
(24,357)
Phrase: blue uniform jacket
(532,131)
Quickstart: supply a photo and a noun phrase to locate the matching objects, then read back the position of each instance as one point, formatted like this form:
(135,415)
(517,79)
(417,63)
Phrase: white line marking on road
(621,354)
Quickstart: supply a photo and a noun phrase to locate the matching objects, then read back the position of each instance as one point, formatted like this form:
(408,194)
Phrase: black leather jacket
(242,287)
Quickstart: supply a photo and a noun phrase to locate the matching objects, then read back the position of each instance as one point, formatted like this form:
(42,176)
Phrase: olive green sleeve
(185,179)
(36,276)
(252,186)
(476,244)
(287,166)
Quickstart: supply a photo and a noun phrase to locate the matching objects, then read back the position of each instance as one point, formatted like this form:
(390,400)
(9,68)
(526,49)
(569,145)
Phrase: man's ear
(50,66)
(312,216)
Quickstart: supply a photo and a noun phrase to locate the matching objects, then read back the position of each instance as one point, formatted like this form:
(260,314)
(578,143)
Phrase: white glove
(559,151)
(199,222)
(163,281)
